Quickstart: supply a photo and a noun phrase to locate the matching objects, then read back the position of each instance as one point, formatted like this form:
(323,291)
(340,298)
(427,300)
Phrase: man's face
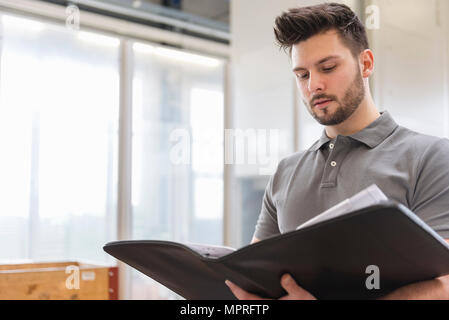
(326,71)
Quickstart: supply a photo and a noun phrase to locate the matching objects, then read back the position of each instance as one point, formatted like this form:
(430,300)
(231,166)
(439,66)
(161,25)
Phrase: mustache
(322,97)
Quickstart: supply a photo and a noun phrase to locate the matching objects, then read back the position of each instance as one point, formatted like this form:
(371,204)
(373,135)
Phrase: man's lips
(322,103)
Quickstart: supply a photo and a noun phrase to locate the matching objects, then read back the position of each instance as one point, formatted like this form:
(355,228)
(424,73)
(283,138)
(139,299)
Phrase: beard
(352,99)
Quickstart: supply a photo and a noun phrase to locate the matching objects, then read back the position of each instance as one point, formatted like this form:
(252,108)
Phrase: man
(331,61)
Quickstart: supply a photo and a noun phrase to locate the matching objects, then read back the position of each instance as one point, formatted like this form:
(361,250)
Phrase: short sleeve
(267,223)
(431,194)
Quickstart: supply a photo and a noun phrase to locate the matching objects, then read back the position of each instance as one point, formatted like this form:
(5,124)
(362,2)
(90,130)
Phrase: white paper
(210,251)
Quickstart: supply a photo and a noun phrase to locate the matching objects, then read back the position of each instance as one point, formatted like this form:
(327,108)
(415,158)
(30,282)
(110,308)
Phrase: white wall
(260,82)
(411,63)
(261,97)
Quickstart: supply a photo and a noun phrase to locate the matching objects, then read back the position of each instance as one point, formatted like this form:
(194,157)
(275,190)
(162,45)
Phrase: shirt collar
(371,136)
(323,140)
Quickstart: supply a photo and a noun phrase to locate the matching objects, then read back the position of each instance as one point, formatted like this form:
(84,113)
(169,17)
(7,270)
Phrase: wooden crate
(58,281)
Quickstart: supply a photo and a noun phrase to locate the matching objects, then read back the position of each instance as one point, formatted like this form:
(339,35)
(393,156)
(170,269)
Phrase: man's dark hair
(299,24)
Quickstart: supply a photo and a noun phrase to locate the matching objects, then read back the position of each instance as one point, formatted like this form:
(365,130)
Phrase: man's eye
(328,69)
(303,76)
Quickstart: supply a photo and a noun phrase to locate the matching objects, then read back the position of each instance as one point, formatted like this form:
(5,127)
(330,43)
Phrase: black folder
(328,259)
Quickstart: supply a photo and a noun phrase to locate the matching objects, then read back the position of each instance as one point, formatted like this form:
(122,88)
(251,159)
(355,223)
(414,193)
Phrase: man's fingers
(241,294)
(293,290)
(238,292)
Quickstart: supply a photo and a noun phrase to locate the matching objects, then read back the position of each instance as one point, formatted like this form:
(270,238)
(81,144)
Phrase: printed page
(210,251)
(365,198)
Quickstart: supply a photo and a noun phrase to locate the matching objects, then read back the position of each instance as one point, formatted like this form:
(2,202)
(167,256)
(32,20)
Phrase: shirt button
(333,163)
(331,146)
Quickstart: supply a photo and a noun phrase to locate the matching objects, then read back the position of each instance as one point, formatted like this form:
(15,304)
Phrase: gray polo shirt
(409,167)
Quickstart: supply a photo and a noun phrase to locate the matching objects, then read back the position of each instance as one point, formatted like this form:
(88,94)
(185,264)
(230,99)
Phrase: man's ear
(366,61)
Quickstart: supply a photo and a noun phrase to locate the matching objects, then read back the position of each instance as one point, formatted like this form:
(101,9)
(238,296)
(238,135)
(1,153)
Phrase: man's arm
(436,289)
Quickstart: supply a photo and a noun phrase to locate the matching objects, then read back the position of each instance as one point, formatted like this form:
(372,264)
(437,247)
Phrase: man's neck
(365,114)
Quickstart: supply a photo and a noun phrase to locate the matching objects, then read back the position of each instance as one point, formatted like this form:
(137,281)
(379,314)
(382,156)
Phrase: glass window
(177,170)
(59,112)
(58,136)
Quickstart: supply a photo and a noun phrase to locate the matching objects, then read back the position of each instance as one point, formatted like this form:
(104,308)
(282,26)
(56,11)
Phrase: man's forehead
(317,48)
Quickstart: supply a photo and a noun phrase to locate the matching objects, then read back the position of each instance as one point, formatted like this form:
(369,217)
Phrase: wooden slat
(48,281)
(37,265)
(113,283)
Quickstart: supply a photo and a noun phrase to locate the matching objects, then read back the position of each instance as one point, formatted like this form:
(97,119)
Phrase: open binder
(328,256)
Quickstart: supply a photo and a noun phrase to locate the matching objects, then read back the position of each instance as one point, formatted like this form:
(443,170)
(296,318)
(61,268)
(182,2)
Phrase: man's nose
(315,83)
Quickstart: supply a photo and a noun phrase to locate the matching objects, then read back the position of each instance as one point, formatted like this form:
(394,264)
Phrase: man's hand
(435,289)
(294,292)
